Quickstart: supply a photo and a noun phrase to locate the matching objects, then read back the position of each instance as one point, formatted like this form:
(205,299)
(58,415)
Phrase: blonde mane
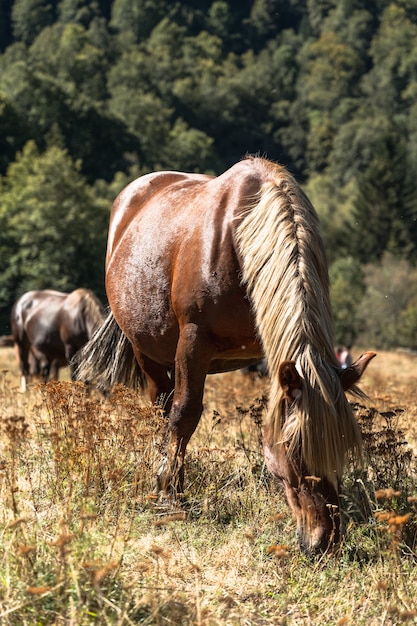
(285,271)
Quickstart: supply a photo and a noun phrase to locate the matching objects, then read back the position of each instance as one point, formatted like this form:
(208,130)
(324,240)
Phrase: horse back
(173,196)
(135,197)
(179,206)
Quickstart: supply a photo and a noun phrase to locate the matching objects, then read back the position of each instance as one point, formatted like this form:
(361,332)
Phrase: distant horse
(260,369)
(48,327)
(209,274)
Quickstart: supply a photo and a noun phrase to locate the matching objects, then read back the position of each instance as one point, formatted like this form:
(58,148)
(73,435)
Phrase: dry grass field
(83,540)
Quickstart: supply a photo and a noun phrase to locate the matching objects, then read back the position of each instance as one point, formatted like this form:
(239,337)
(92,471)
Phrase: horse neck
(285,271)
(94,315)
(91,312)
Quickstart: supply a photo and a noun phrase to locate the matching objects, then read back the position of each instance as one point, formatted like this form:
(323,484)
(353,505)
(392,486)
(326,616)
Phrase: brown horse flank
(208,274)
(48,328)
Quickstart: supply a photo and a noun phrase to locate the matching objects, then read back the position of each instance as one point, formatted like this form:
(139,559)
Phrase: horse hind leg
(22,352)
(70,352)
(45,369)
(192,363)
(160,388)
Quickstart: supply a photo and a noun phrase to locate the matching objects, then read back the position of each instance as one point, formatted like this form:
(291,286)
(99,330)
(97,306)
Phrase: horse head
(312,495)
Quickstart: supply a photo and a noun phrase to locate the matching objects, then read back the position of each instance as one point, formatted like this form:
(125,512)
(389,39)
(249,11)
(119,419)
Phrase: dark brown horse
(208,274)
(48,327)
(258,369)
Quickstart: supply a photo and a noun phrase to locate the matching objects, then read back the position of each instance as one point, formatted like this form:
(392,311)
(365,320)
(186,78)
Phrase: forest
(96,93)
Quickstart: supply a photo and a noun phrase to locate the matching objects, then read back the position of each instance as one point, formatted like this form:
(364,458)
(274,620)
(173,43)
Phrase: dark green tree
(330,72)
(83,11)
(5,24)
(53,227)
(68,89)
(137,17)
(383,210)
(29,17)
(13,131)
(347,287)
(394,62)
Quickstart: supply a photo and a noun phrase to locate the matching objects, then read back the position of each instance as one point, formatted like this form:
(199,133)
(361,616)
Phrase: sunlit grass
(83,540)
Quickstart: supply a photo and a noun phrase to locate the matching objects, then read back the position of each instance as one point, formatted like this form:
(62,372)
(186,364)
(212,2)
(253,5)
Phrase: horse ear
(352,374)
(290,380)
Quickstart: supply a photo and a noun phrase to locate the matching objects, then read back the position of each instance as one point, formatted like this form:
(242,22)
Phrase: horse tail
(108,359)
(16,321)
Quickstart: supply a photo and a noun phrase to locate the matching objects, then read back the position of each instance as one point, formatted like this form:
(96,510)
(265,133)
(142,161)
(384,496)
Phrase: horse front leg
(70,352)
(192,360)
(54,371)
(45,369)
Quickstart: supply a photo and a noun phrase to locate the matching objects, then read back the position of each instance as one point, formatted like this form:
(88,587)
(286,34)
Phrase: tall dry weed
(83,541)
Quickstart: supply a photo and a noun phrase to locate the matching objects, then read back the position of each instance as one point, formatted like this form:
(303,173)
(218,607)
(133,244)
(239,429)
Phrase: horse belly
(50,345)
(44,335)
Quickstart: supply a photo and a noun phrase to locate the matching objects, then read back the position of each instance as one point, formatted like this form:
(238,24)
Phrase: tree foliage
(117,88)
(389,311)
(347,289)
(53,226)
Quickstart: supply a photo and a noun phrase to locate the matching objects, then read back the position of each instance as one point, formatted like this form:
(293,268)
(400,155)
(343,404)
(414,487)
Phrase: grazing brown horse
(48,327)
(208,274)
